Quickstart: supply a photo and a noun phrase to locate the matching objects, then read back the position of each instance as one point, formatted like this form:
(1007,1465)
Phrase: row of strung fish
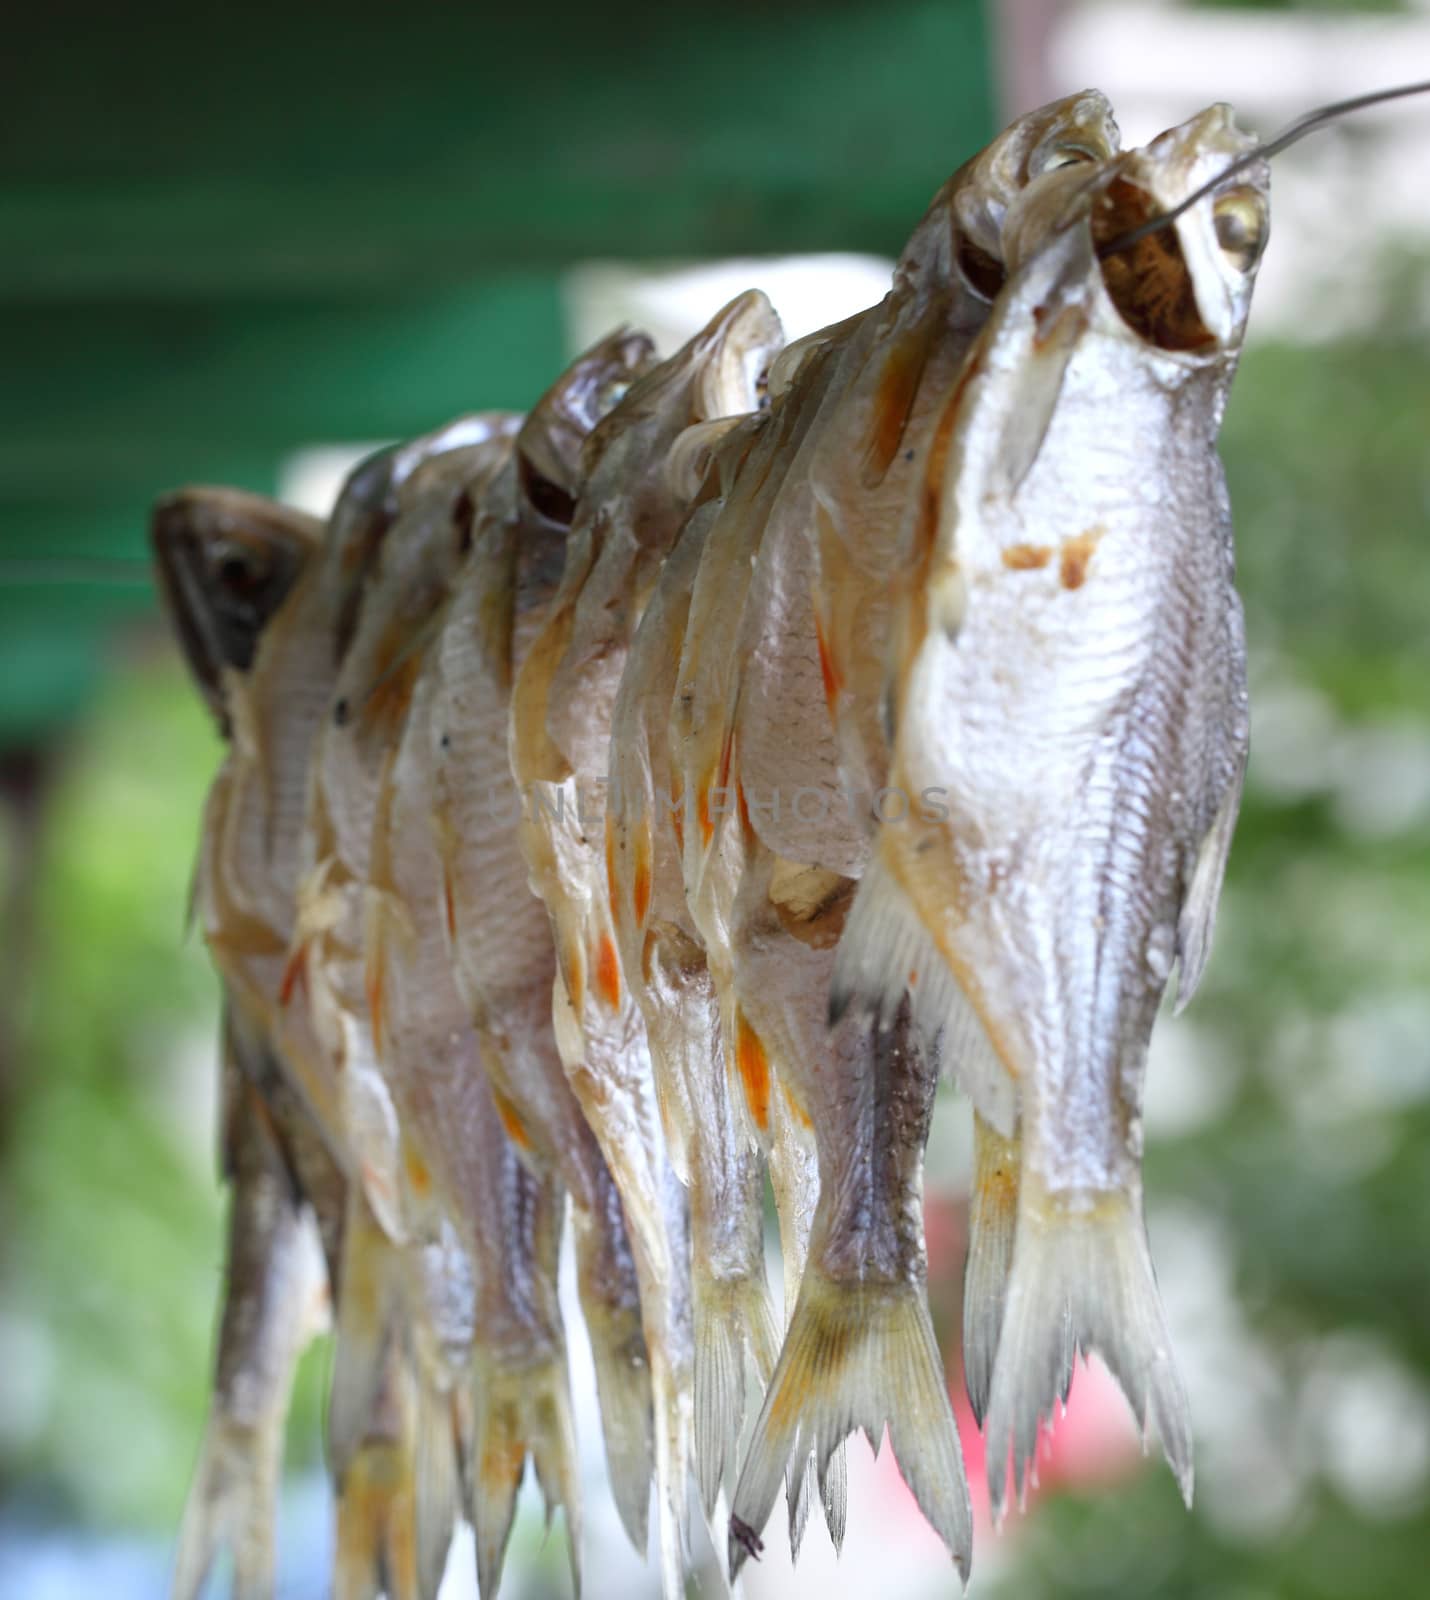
(664,787)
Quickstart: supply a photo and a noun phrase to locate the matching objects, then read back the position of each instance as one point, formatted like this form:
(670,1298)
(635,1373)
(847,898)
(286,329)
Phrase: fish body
(660,948)
(1082,712)
(227,562)
(629,513)
(499,933)
(461,1163)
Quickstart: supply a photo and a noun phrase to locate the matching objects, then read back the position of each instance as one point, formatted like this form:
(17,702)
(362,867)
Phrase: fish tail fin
(368,1314)
(516,1411)
(734,1329)
(1082,1279)
(671,1403)
(992,1219)
(376,1493)
(377,1540)
(833,1491)
(857,1355)
(886,952)
(438,1482)
(231,1505)
(623,1379)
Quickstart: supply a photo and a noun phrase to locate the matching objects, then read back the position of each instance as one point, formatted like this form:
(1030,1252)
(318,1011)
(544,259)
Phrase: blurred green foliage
(113,1244)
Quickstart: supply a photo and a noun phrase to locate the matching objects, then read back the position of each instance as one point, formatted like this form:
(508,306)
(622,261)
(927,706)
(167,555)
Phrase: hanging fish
(1072,688)
(225,563)
(561,715)
(498,932)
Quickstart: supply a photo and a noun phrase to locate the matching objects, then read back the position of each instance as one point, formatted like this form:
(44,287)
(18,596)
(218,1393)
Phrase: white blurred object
(671,303)
(1340,197)
(310,478)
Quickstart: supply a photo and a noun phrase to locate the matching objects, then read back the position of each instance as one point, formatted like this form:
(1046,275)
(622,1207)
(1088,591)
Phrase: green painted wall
(223,235)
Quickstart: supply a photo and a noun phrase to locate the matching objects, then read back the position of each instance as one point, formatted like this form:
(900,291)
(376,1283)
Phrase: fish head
(226,562)
(402,604)
(717,373)
(551,441)
(1074,134)
(1183,290)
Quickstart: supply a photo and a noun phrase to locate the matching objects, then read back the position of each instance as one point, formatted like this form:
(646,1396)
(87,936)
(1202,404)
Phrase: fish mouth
(1149,283)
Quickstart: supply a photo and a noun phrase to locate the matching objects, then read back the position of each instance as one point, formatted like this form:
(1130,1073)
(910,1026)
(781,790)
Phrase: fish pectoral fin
(1082,1280)
(857,1355)
(1198,916)
(520,1410)
(886,952)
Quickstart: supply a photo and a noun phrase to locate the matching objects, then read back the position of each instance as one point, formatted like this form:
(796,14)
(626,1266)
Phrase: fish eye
(1061,155)
(1240,221)
(237,568)
(1068,155)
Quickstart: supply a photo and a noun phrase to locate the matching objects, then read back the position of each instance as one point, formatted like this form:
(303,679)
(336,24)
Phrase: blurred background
(242,249)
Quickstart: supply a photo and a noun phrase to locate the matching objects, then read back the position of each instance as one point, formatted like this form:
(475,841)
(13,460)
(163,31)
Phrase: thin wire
(1262,152)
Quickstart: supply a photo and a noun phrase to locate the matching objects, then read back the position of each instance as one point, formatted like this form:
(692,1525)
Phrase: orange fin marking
(373,984)
(417,1174)
(295,973)
(612,880)
(800,1114)
(608,972)
(754,1069)
(833,683)
(449,904)
(727,751)
(744,805)
(511,1120)
(702,815)
(640,884)
(677,816)
(893,401)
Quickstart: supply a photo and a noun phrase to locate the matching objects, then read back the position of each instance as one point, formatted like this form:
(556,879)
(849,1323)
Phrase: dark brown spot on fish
(1027,557)
(1076,556)
(340,712)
